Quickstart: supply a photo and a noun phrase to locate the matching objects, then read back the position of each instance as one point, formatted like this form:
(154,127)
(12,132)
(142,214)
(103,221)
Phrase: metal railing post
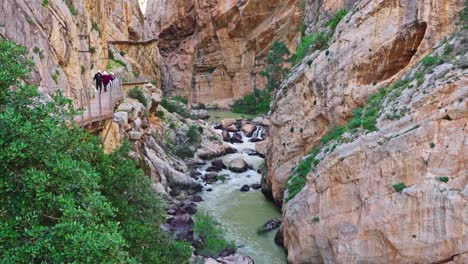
(111,103)
(100,108)
(81,106)
(89,103)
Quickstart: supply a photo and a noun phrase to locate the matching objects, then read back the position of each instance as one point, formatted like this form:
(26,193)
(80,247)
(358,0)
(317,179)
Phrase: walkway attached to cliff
(101,107)
(132,42)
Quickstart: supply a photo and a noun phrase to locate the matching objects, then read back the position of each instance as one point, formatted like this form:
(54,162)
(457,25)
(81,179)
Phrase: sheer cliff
(213,51)
(368,141)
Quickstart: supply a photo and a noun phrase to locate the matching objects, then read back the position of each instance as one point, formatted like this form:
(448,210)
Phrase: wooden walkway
(101,107)
(132,42)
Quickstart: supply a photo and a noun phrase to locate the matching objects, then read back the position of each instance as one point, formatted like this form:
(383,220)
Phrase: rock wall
(154,138)
(375,43)
(68,39)
(213,50)
(349,211)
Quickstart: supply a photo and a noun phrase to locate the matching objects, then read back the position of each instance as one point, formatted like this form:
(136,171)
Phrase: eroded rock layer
(213,50)
(397,195)
(376,42)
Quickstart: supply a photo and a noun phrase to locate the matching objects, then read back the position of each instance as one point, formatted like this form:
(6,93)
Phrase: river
(242,213)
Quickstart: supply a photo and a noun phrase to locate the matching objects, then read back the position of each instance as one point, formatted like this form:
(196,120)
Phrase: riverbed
(242,213)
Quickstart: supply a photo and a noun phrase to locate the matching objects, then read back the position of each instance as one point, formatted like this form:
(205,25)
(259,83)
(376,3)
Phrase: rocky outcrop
(68,39)
(213,50)
(397,195)
(375,43)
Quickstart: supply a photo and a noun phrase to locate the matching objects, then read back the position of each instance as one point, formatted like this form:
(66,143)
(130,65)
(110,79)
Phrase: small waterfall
(258,134)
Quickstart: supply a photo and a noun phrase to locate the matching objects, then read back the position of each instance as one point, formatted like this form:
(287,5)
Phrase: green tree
(62,200)
(274,72)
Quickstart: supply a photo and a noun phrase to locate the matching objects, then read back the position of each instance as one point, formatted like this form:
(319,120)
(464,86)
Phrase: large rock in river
(238,165)
(249,129)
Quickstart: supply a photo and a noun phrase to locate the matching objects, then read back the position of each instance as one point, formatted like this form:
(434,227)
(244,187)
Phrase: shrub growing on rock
(139,94)
(194,134)
(211,234)
(399,186)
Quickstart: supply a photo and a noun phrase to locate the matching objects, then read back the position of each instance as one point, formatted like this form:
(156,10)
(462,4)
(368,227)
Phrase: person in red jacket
(106,79)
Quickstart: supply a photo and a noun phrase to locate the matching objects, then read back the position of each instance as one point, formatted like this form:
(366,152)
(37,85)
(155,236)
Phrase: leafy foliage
(194,134)
(443,179)
(464,16)
(211,234)
(62,200)
(310,43)
(174,107)
(399,186)
(181,99)
(71,7)
(139,94)
(333,23)
(431,61)
(114,64)
(183,151)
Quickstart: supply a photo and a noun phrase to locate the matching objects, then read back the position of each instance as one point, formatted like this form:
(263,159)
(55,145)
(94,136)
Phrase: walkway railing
(101,107)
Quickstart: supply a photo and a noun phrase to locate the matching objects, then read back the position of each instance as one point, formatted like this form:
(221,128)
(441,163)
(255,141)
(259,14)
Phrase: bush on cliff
(62,200)
(258,102)
(138,94)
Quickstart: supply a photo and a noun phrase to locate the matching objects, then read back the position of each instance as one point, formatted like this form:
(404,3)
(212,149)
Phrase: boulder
(181,227)
(135,135)
(228,122)
(195,174)
(271,224)
(121,118)
(226,137)
(236,138)
(249,129)
(256,186)
(238,165)
(199,162)
(201,114)
(219,164)
(196,199)
(213,169)
(250,152)
(232,128)
(230,150)
(137,123)
(279,239)
(217,126)
(209,189)
(210,177)
(245,188)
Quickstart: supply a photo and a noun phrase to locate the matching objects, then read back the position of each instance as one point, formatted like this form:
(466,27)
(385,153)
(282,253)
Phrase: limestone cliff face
(213,50)
(68,39)
(374,44)
(349,211)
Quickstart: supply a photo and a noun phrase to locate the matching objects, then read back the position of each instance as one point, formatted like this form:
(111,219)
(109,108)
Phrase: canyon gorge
(362,156)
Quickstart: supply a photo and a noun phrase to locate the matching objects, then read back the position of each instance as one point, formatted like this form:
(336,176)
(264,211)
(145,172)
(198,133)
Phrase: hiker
(106,77)
(98,78)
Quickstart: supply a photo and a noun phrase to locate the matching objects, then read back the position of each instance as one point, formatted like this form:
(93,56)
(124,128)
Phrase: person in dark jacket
(106,78)
(98,78)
